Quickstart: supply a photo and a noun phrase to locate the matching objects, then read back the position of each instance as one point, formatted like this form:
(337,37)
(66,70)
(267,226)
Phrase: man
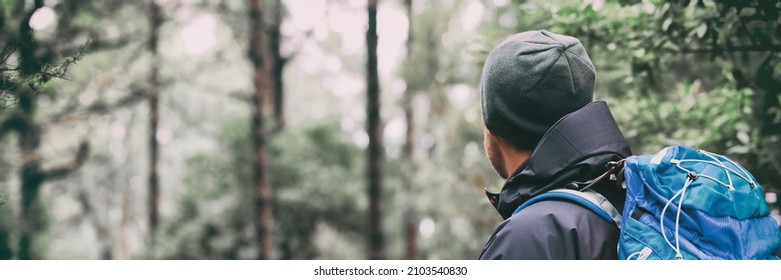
(543,132)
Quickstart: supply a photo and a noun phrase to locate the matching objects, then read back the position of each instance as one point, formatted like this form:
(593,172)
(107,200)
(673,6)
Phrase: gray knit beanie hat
(530,81)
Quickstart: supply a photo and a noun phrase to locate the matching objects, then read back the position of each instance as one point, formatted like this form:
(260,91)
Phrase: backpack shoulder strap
(590,199)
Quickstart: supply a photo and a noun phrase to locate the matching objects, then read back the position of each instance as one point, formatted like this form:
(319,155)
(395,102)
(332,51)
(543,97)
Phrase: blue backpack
(683,203)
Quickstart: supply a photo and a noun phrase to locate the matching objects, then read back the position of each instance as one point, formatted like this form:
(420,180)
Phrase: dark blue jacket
(576,149)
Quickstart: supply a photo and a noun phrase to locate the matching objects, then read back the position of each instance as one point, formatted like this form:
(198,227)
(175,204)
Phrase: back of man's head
(530,81)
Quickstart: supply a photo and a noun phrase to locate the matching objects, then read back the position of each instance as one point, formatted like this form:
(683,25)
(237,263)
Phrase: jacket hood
(575,149)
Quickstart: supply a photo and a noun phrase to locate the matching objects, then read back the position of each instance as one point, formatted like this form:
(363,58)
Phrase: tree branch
(100,107)
(15,122)
(64,170)
(96,45)
(758,48)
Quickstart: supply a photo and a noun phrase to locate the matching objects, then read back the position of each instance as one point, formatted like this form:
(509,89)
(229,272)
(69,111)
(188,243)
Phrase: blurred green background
(105,103)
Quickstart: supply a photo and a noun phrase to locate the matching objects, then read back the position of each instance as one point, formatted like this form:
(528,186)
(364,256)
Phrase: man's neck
(514,159)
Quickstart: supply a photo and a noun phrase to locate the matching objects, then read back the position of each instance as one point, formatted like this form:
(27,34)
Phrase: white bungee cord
(677,247)
(691,176)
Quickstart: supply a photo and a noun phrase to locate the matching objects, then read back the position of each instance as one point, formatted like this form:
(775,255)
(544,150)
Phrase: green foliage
(719,119)
(13,80)
(654,35)
(314,179)
(313,183)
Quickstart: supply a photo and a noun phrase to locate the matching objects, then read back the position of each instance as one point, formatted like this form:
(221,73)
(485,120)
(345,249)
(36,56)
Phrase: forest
(332,129)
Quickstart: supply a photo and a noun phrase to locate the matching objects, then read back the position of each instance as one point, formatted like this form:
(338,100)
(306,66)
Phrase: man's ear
(501,141)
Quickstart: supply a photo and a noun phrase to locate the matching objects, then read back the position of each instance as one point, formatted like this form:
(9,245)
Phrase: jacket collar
(576,148)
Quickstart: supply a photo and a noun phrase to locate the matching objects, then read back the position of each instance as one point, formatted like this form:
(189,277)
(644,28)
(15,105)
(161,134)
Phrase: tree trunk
(258,55)
(122,245)
(32,59)
(770,89)
(278,65)
(32,175)
(375,149)
(102,231)
(32,178)
(410,229)
(155,20)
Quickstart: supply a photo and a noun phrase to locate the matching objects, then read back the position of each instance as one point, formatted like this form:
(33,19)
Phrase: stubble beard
(495,156)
